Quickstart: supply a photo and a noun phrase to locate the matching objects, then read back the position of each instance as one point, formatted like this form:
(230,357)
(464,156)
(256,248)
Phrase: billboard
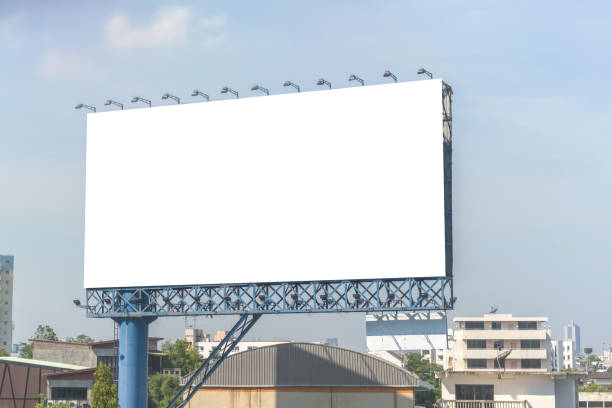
(406,332)
(327,185)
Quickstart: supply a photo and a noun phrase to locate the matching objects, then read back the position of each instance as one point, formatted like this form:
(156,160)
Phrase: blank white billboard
(406,332)
(337,184)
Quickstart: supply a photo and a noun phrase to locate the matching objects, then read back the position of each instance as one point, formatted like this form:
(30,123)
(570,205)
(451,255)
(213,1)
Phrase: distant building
(207,347)
(595,399)
(291,375)
(569,355)
(194,336)
(332,341)
(572,333)
(17,347)
(498,357)
(563,355)
(6,302)
(412,332)
(70,387)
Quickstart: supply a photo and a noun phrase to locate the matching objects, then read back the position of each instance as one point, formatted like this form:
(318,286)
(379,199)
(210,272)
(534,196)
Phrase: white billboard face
(339,184)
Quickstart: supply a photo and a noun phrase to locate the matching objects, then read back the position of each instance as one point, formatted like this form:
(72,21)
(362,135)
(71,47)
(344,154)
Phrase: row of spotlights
(225,89)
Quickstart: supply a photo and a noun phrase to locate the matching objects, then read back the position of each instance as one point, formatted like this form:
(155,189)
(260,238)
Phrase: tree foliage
(592,387)
(181,354)
(104,391)
(425,370)
(45,333)
(609,369)
(162,388)
(81,338)
(4,353)
(26,351)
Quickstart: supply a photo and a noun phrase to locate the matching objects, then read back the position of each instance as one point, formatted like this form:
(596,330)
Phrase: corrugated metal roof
(40,363)
(309,364)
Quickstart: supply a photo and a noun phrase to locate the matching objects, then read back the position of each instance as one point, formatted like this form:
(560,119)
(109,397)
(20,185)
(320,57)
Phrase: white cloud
(169,27)
(57,63)
(210,23)
(214,40)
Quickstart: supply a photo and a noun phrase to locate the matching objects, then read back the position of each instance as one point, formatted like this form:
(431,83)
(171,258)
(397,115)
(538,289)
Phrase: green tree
(414,363)
(26,351)
(81,338)
(181,354)
(45,333)
(3,353)
(162,388)
(592,387)
(41,403)
(609,369)
(104,391)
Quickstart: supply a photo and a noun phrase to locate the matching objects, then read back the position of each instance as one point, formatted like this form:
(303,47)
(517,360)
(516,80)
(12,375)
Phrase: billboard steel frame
(376,295)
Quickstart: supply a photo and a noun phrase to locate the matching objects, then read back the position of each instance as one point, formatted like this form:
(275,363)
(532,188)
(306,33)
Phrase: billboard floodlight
(289,83)
(388,74)
(82,105)
(143,100)
(424,71)
(322,81)
(226,89)
(111,102)
(356,78)
(169,96)
(198,93)
(260,88)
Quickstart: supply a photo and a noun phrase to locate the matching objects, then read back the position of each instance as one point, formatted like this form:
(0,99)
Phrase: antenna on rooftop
(493,310)
(501,361)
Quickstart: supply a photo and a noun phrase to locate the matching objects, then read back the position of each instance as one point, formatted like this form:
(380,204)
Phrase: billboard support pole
(133,361)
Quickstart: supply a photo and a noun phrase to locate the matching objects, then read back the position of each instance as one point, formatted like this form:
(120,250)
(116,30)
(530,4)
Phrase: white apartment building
(6,302)
(572,333)
(563,355)
(506,361)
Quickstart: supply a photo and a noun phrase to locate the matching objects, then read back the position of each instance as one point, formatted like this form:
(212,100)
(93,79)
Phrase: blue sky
(532,145)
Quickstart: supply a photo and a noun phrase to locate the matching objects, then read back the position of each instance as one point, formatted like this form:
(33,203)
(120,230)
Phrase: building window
(528,325)
(476,363)
(477,344)
(498,344)
(474,392)
(474,325)
(530,344)
(496,325)
(531,363)
(68,393)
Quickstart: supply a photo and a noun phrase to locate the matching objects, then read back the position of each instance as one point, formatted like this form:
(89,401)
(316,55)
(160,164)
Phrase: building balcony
(482,404)
(503,334)
(489,354)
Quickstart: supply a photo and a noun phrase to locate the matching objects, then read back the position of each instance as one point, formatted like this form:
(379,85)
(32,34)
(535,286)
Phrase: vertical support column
(133,361)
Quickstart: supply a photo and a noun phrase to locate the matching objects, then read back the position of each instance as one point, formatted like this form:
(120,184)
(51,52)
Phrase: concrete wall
(61,353)
(566,393)
(303,397)
(537,390)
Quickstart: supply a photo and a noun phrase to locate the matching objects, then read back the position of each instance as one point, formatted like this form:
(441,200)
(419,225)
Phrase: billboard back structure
(328,185)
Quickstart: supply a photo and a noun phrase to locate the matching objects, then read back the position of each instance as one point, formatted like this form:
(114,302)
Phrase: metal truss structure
(225,347)
(376,295)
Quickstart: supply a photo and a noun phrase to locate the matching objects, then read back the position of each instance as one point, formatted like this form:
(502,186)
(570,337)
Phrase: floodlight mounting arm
(82,105)
(139,99)
(111,102)
(262,89)
(323,81)
(356,78)
(289,83)
(425,72)
(202,94)
(169,96)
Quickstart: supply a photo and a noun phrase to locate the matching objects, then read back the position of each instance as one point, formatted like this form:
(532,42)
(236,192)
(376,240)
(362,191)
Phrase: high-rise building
(572,333)
(6,302)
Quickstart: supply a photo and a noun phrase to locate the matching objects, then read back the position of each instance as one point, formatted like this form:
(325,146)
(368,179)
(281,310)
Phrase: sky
(532,144)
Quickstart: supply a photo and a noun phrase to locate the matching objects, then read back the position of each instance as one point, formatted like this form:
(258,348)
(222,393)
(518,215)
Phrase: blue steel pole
(133,361)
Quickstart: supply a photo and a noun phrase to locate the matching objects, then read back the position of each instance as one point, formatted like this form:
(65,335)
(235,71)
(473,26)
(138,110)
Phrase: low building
(505,360)
(291,375)
(600,378)
(595,399)
(90,355)
(71,387)
(24,379)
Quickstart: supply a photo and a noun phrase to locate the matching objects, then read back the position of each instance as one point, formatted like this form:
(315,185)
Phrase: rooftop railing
(482,404)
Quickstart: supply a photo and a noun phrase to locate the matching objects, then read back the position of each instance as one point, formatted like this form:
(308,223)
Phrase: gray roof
(309,364)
